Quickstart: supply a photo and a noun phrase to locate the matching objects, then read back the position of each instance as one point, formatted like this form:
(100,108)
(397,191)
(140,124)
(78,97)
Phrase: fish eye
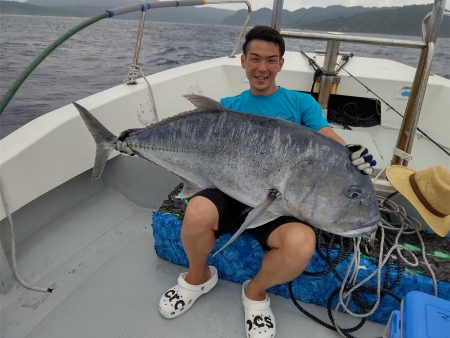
(354,193)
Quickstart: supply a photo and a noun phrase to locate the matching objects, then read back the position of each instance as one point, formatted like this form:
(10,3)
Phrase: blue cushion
(242,259)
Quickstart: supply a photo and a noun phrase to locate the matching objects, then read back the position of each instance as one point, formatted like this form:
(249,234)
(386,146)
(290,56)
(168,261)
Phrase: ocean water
(98,57)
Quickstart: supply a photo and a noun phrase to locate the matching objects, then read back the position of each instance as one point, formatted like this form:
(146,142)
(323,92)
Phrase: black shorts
(232,214)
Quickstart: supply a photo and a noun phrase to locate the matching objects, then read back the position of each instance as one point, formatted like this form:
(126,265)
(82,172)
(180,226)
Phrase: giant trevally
(278,167)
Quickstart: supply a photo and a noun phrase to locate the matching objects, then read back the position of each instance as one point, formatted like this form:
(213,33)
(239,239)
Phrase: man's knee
(201,215)
(299,240)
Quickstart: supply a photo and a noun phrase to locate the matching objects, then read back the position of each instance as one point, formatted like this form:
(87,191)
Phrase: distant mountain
(88,8)
(395,20)
(262,16)
(309,15)
(13,7)
(290,19)
(97,3)
(404,20)
(194,15)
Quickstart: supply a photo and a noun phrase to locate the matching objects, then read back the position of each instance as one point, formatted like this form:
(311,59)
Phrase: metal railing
(133,72)
(430,28)
(354,39)
(413,108)
(135,69)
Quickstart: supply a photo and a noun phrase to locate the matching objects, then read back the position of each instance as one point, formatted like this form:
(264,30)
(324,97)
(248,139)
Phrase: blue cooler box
(393,328)
(422,316)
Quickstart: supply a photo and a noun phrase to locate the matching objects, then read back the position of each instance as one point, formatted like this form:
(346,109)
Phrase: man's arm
(329,132)
(360,156)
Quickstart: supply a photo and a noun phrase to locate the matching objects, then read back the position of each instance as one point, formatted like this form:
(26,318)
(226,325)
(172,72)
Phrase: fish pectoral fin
(188,190)
(256,215)
(264,218)
(203,102)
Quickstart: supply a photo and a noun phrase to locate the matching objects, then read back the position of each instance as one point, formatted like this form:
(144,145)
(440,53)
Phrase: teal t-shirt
(284,103)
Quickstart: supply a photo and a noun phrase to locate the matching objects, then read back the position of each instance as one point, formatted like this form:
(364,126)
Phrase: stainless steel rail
(354,39)
(430,29)
(277,13)
(408,128)
(237,43)
(133,73)
(329,76)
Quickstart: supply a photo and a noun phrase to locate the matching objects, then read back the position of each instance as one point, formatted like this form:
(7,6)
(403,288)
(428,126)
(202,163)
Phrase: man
(288,241)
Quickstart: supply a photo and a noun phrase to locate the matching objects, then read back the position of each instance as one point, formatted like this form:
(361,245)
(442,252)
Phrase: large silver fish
(276,166)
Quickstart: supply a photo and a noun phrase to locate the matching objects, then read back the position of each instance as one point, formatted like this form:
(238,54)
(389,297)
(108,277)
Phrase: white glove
(361,158)
(123,147)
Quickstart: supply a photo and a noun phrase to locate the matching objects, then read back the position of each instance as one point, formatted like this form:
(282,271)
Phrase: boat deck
(99,257)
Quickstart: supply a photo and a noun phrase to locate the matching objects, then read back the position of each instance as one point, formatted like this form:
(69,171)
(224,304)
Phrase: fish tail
(105,140)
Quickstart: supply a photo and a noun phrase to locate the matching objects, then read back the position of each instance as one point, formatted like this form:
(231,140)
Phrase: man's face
(262,62)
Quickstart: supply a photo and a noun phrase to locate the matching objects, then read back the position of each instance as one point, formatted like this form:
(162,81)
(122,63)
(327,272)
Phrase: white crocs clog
(182,296)
(259,318)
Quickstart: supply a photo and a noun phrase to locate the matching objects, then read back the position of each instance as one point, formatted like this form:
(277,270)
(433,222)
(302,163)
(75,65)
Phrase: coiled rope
(349,290)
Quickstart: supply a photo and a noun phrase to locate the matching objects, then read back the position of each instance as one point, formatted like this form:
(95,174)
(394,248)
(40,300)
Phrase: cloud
(296,4)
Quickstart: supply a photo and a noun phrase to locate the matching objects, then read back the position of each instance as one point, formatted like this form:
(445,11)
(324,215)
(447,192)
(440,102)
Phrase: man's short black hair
(264,33)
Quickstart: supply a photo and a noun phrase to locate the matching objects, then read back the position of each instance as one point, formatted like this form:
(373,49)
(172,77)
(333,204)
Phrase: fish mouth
(360,229)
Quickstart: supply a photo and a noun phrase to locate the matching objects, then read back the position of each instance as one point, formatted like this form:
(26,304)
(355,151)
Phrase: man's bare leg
(292,248)
(197,234)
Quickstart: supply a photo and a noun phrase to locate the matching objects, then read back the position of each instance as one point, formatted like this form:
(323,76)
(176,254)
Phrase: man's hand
(361,158)
(123,147)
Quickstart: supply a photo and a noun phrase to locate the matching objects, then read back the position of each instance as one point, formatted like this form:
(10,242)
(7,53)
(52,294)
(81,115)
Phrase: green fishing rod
(109,13)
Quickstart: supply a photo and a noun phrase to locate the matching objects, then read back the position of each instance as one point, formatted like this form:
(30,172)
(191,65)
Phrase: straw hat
(428,191)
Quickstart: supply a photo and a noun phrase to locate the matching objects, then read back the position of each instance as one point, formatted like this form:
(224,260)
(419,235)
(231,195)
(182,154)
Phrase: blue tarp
(242,259)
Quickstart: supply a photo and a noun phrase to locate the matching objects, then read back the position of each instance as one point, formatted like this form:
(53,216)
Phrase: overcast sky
(296,4)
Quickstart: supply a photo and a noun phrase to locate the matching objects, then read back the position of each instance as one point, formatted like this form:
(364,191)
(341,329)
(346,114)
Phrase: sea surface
(98,57)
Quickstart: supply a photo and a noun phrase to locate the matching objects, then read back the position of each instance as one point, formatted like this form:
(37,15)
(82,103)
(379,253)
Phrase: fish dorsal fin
(203,102)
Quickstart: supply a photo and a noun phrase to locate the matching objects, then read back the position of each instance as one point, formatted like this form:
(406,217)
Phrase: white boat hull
(74,234)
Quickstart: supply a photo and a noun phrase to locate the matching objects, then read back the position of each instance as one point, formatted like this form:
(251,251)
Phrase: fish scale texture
(246,155)
(242,259)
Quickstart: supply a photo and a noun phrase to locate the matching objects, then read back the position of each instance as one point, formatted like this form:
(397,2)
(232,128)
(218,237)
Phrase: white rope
(150,91)
(415,226)
(133,73)
(13,243)
(409,225)
(400,153)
